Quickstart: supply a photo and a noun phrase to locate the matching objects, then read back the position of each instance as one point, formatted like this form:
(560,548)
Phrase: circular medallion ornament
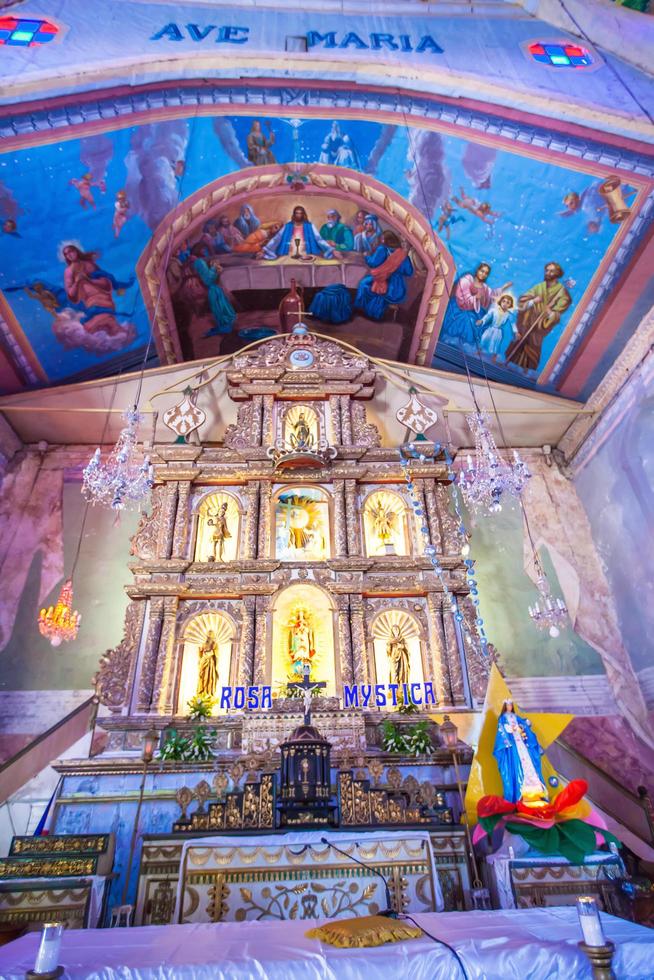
(301,358)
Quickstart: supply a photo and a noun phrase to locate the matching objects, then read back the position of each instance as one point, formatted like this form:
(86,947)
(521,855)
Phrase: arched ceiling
(130,175)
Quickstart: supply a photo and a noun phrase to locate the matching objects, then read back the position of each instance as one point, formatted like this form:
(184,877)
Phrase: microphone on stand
(388,911)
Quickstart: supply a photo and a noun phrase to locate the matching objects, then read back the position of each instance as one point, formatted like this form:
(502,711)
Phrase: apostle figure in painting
(207,667)
(222,311)
(218,521)
(385,285)
(470,303)
(370,236)
(331,144)
(539,311)
(398,657)
(301,642)
(301,437)
(221,235)
(336,233)
(259,145)
(253,243)
(247,221)
(298,237)
(518,756)
(347,155)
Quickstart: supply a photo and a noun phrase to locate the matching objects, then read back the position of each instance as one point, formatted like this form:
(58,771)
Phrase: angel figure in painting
(481,209)
(218,521)
(518,756)
(384,520)
(398,657)
(83,186)
(207,666)
(121,212)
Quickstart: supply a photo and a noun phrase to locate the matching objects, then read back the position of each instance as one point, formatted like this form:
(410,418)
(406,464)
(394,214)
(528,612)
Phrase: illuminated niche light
(26,33)
(560,55)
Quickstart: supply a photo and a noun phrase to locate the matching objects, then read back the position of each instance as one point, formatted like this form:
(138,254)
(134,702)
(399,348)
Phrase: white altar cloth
(303,856)
(525,944)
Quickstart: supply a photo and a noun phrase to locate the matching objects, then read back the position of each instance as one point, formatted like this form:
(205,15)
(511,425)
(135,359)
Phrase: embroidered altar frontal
(295,876)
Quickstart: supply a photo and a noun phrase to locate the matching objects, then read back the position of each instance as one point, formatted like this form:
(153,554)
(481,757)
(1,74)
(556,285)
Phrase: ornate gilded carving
(150,654)
(453,658)
(335,420)
(265,495)
(359,645)
(346,421)
(438,650)
(167,520)
(345,639)
(240,434)
(448,523)
(246,646)
(166,665)
(352,518)
(251,520)
(182,520)
(252,808)
(364,433)
(143,543)
(111,682)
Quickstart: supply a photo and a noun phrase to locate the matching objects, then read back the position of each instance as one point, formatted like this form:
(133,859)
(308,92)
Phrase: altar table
(529,944)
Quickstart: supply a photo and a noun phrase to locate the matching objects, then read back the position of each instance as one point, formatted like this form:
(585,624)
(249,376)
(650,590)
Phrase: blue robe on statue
(373,305)
(222,310)
(332,304)
(508,759)
(280,244)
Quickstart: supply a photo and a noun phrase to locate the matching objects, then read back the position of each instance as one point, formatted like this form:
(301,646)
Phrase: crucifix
(307,687)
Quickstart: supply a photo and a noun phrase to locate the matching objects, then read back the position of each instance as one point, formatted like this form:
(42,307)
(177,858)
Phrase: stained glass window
(560,55)
(26,33)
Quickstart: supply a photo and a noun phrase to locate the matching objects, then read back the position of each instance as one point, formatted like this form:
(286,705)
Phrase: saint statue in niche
(301,437)
(301,642)
(518,756)
(398,656)
(384,521)
(218,521)
(208,666)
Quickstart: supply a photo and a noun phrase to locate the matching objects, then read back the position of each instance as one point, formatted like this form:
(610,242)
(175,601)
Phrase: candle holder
(46,966)
(600,958)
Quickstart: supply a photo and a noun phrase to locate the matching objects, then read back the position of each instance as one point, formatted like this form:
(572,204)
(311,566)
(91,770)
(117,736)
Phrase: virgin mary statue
(518,756)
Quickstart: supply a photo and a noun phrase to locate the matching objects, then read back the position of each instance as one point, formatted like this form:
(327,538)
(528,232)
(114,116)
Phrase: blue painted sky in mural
(426,167)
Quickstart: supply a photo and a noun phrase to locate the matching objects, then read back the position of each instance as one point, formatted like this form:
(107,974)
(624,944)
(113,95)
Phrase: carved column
(335,417)
(262,608)
(182,520)
(453,658)
(478,665)
(265,496)
(345,639)
(257,419)
(448,522)
(359,645)
(418,522)
(431,507)
(437,648)
(267,422)
(246,646)
(340,520)
(251,520)
(346,421)
(165,674)
(352,518)
(167,523)
(150,653)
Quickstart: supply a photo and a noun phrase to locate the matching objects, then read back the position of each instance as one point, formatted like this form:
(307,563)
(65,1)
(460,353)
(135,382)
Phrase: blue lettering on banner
(239,697)
(350,696)
(266,697)
(253,697)
(380,695)
(231,34)
(366,691)
(414,696)
(226,698)
(429,693)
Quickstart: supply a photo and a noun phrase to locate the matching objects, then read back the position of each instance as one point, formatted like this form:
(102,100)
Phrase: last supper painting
(326,490)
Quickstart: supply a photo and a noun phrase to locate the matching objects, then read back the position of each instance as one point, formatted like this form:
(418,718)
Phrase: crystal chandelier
(123,480)
(58,623)
(490,477)
(548,612)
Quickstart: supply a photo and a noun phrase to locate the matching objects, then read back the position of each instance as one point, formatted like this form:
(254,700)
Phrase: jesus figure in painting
(299,236)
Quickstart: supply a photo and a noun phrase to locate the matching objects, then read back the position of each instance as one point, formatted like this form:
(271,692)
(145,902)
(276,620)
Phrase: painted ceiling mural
(420,244)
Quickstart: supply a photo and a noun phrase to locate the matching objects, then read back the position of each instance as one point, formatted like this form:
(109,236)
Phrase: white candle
(589,920)
(47,958)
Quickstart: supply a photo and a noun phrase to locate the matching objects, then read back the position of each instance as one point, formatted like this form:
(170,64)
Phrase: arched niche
(293,419)
(218,519)
(301,524)
(385,524)
(303,632)
(385,629)
(207,653)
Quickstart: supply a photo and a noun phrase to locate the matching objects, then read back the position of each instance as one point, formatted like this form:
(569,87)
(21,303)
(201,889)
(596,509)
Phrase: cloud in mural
(229,142)
(429,180)
(382,143)
(95,152)
(9,207)
(155,166)
(105,336)
(478,162)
